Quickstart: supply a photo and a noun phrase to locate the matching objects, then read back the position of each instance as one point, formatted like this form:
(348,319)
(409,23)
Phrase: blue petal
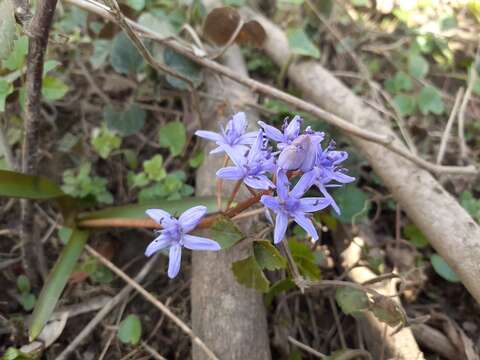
(231,173)
(175,256)
(161,216)
(281,223)
(306,224)
(200,243)
(293,129)
(157,244)
(260,182)
(283,185)
(270,202)
(191,217)
(291,158)
(301,187)
(239,122)
(209,135)
(217,150)
(313,204)
(342,177)
(236,154)
(272,132)
(255,150)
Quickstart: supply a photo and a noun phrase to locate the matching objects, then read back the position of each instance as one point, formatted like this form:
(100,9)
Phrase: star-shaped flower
(234,135)
(289,204)
(174,234)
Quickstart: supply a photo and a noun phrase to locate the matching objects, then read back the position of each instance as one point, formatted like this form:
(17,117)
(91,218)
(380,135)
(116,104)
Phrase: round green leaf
(405,104)
(130,330)
(183,66)
(430,100)
(443,269)
(351,300)
(415,236)
(268,256)
(23,284)
(417,66)
(126,122)
(173,136)
(351,201)
(124,57)
(300,43)
(225,232)
(53,88)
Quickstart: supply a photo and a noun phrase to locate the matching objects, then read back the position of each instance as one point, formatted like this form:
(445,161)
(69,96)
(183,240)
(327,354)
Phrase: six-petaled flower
(174,234)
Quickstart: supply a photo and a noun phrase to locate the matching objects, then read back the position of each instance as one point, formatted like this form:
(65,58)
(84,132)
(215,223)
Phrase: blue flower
(289,204)
(234,135)
(327,170)
(174,234)
(290,131)
(251,168)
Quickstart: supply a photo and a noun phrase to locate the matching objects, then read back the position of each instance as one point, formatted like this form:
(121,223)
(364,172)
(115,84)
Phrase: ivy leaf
(161,26)
(101,49)
(130,330)
(400,82)
(154,168)
(225,232)
(124,57)
(405,104)
(249,274)
(351,300)
(351,201)
(127,122)
(105,141)
(7,28)
(430,100)
(53,88)
(6,89)
(417,66)
(173,136)
(300,43)
(415,236)
(183,66)
(305,259)
(267,256)
(443,269)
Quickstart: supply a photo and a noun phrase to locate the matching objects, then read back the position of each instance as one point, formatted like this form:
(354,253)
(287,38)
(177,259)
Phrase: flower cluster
(270,160)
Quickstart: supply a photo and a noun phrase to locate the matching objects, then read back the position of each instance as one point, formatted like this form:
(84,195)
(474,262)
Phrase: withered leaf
(253,33)
(220,24)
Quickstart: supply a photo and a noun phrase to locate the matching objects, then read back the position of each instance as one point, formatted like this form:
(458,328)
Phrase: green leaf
(56,281)
(12,353)
(197,159)
(267,256)
(430,100)
(138,180)
(27,300)
(405,104)
(136,4)
(124,57)
(300,43)
(127,122)
(351,300)
(415,236)
(7,28)
(387,310)
(173,136)
(400,82)
(50,65)
(130,330)
(352,202)
(161,26)
(183,66)
(102,275)
(305,259)
(101,49)
(53,88)
(23,284)
(154,168)
(249,274)
(225,232)
(137,211)
(16,59)
(277,288)
(105,141)
(443,269)
(6,89)
(417,66)
(471,204)
(14,184)
(64,234)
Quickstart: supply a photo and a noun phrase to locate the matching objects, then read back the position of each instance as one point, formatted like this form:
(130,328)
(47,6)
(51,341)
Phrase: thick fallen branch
(356,130)
(451,230)
(229,317)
